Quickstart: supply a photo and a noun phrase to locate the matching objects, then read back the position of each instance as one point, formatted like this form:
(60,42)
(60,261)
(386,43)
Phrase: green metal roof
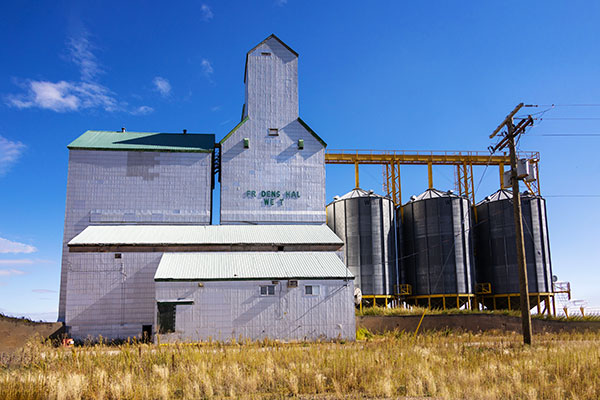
(144,141)
(242,122)
(223,266)
(308,128)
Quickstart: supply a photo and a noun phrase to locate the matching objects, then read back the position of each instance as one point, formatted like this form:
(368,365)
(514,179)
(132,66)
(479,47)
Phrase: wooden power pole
(509,141)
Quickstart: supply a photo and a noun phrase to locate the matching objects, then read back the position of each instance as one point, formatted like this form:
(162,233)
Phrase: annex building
(140,256)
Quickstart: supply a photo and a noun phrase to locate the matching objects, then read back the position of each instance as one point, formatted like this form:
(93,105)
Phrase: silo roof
(144,141)
(156,235)
(219,266)
(357,192)
(504,194)
(433,194)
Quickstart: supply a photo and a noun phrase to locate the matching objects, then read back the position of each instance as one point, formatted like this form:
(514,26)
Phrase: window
(267,290)
(273,132)
(265,53)
(312,290)
(166,317)
(117,255)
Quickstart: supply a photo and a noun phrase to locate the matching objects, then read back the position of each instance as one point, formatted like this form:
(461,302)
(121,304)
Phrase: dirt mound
(15,332)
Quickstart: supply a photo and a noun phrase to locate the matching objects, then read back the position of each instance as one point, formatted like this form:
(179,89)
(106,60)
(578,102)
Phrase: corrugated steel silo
(365,222)
(496,247)
(437,242)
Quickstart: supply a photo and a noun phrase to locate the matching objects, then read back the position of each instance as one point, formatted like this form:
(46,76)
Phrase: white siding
(133,187)
(109,296)
(234,309)
(272,163)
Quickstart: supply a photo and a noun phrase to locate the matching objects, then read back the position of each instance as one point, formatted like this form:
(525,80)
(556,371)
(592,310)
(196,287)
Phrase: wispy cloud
(9,154)
(281,3)
(25,261)
(206,12)
(207,68)
(142,110)
(7,246)
(81,55)
(215,108)
(43,291)
(162,86)
(16,262)
(9,272)
(69,96)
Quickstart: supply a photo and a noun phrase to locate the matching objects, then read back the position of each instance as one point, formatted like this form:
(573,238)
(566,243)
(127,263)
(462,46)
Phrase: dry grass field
(448,365)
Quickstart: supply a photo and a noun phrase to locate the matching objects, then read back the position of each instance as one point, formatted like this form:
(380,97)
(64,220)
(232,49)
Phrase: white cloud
(281,3)
(207,13)
(43,291)
(207,68)
(9,272)
(70,96)
(9,153)
(65,96)
(49,316)
(7,246)
(162,86)
(142,110)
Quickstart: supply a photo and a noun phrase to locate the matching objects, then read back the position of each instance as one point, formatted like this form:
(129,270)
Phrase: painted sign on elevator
(272,197)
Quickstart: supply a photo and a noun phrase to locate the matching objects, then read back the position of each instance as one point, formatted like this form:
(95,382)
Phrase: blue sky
(398,75)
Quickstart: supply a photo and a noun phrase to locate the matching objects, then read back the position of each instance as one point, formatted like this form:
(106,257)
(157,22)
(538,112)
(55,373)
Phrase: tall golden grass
(440,365)
(415,310)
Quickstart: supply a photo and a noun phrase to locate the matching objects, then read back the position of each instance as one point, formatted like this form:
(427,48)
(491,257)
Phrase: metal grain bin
(365,222)
(496,248)
(437,242)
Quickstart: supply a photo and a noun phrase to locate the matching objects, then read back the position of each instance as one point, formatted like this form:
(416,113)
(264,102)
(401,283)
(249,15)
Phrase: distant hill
(14,332)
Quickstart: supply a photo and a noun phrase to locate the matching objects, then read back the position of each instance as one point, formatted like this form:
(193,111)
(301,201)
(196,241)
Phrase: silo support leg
(430,174)
(539,310)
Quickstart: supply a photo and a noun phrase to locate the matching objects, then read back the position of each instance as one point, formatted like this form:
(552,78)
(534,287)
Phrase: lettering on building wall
(272,197)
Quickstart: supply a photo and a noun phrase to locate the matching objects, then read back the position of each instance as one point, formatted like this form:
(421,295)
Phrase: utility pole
(509,141)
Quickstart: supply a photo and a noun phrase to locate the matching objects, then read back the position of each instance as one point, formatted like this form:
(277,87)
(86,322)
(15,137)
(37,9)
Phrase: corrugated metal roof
(356,192)
(106,235)
(251,265)
(144,141)
(504,194)
(433,194)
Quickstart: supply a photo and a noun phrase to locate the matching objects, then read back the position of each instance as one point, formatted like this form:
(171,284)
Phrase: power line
(568,134)
(564,118)
(573,195)
(563,105)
